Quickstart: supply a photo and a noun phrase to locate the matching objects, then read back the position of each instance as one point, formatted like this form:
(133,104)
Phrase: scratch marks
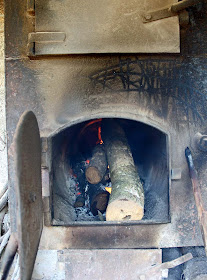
(164,83)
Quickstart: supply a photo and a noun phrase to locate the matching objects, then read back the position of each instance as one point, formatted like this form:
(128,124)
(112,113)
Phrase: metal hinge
(46,153)
(169,11)
(45,166)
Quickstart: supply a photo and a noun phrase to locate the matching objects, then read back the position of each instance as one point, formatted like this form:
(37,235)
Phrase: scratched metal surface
(98,264)
(165,91)
(110,26)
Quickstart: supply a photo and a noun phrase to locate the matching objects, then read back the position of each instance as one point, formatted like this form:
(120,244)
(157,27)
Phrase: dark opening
(76,201)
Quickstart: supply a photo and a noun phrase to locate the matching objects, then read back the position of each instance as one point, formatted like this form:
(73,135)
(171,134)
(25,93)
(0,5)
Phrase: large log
(127,198)
(97,166)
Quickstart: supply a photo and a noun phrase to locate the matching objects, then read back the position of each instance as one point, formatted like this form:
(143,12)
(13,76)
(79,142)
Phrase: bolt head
(148,16)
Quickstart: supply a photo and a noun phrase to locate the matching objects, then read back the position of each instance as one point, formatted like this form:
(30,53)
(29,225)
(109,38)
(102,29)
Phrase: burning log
(97,166)
(98,198)
(127,198)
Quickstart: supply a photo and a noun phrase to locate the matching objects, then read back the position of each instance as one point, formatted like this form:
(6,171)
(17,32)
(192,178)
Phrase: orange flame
(108,189)
(99,136)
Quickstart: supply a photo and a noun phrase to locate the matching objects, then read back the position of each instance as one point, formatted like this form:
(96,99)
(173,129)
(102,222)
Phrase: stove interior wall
(63,195)
(150,152)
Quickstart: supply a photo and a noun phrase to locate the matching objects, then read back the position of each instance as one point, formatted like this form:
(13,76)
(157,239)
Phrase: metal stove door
(29,191)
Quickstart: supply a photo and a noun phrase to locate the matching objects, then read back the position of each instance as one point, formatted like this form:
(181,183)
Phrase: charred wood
(98,198)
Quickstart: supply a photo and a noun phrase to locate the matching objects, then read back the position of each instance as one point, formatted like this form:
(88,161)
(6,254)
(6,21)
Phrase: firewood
(97,166)
(127,198)
(80,201)
(98,198)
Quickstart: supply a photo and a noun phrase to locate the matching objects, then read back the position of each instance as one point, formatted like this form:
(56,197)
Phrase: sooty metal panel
(110,26)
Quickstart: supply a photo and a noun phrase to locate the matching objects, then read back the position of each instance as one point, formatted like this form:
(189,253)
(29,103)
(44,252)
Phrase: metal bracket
(169,11)
(44,38)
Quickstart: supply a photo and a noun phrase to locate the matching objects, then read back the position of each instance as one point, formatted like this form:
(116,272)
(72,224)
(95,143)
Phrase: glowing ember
(108,189)
(99,136)
(87,161)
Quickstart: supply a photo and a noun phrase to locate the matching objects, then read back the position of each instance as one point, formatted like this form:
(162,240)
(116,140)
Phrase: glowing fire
(100,141)
(108,189)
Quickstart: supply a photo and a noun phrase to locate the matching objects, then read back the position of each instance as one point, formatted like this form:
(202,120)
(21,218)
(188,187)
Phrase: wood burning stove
(71,152)
(158,99)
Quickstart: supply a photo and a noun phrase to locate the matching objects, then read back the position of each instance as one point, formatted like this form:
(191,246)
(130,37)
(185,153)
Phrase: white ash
(71,183)
(84,214)
(65,211)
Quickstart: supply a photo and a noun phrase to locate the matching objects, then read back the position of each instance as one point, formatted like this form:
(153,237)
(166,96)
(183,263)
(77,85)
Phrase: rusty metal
(169,11)
(103,27)
(202,212)
(31,7)
(28,191)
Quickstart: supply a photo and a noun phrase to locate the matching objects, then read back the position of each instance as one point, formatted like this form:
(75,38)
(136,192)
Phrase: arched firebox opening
(77,200)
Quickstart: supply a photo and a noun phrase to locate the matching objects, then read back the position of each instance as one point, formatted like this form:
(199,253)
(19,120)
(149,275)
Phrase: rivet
(148,16)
